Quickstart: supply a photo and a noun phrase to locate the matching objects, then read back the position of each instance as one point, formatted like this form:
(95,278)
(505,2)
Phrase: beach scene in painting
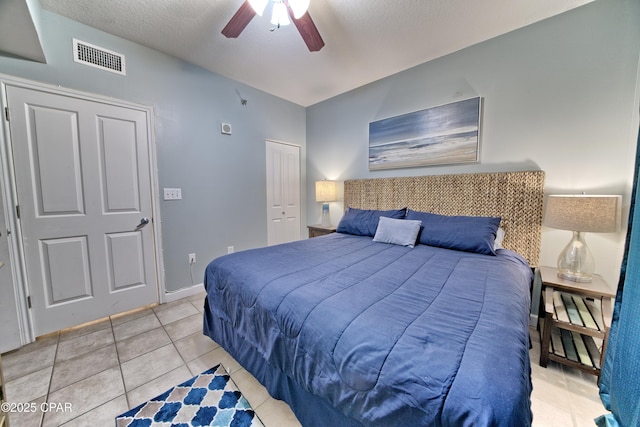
(440,135)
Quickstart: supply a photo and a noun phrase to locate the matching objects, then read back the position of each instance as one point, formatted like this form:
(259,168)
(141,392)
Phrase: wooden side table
(320,230)
(576,321)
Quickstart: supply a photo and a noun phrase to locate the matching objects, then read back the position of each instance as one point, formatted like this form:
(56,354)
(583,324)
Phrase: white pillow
(497,244)
(403,232)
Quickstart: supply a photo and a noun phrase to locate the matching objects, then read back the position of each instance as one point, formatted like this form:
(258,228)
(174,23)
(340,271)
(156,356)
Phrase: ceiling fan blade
(308,31)
(239,21)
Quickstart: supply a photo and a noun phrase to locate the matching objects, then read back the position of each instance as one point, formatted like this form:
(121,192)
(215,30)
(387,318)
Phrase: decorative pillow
(363,222)
(463,233)
(401,232)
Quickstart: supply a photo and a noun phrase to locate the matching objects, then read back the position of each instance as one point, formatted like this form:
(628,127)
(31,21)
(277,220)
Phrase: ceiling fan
(283,12)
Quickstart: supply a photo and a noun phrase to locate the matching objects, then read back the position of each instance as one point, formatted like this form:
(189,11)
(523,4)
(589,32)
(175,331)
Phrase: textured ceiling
(365,39)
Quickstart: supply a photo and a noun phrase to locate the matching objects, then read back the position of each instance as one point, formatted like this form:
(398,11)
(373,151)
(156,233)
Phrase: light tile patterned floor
(107,367)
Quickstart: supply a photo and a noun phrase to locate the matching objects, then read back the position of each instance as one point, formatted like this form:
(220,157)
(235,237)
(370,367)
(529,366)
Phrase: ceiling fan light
(299,7)
(280,16)
(258,6)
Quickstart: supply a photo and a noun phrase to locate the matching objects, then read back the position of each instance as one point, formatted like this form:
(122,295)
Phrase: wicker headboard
(516,197)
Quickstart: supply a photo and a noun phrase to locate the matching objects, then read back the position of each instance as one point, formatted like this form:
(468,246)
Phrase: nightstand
(576,321)
(320,230)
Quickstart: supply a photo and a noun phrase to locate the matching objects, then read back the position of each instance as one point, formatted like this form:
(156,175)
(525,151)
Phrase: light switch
(173,194)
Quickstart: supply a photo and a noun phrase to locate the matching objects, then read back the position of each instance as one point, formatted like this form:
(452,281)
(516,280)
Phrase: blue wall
(560,95)
(222,177)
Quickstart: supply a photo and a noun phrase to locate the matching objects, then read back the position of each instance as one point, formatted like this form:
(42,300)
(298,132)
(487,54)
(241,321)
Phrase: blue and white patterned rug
(208,399)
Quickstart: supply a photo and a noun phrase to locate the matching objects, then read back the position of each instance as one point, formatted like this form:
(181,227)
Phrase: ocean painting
(436,136)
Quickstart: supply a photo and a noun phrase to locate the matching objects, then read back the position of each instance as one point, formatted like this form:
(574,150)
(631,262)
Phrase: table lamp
(581,214)
(325,193)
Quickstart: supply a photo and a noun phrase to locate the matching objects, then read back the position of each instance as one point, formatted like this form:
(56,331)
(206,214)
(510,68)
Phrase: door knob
(143,222)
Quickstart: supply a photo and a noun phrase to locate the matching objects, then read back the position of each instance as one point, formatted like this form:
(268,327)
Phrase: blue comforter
(385,334)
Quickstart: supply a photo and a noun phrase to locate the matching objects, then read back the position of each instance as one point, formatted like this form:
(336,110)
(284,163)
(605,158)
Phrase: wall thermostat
(225,128)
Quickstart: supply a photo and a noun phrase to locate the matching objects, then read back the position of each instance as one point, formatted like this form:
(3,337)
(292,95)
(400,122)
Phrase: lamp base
(575,277)
(326,217)
(575,262)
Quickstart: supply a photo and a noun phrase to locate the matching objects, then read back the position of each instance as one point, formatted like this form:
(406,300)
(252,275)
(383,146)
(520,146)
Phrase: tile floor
(102,369)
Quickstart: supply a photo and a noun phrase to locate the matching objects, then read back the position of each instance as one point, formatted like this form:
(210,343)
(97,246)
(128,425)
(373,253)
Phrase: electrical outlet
(229,249)
(173,194)
(192,258)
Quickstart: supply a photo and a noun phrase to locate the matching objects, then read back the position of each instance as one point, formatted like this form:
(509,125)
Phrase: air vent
(98,57)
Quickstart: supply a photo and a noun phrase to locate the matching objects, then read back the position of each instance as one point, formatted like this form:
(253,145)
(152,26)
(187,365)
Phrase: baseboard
(183,292)
(533,320)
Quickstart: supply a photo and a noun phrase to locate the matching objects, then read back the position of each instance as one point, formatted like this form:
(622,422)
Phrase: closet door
(283,193)
(83,180)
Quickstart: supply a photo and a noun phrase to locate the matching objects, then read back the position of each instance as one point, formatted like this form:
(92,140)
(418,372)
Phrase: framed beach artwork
(440,135)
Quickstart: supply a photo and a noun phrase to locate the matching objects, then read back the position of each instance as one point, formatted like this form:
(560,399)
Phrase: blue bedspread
(386,335)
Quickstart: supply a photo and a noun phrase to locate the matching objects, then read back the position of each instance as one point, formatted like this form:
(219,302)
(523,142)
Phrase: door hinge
(29,301)
(18,211)
(6,113)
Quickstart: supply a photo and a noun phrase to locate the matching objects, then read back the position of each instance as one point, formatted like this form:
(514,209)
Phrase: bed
(353,331)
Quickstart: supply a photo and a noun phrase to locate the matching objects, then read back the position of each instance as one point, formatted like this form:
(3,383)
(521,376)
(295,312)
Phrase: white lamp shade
(326,191)
(298,7)
(587,213)
(258,6)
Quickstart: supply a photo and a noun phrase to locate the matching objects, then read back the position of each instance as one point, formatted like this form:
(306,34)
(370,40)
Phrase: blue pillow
(401,232)
(463,233)
(364,222)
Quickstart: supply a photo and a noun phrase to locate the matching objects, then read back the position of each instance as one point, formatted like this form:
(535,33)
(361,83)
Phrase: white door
(283,193)
(83,183)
